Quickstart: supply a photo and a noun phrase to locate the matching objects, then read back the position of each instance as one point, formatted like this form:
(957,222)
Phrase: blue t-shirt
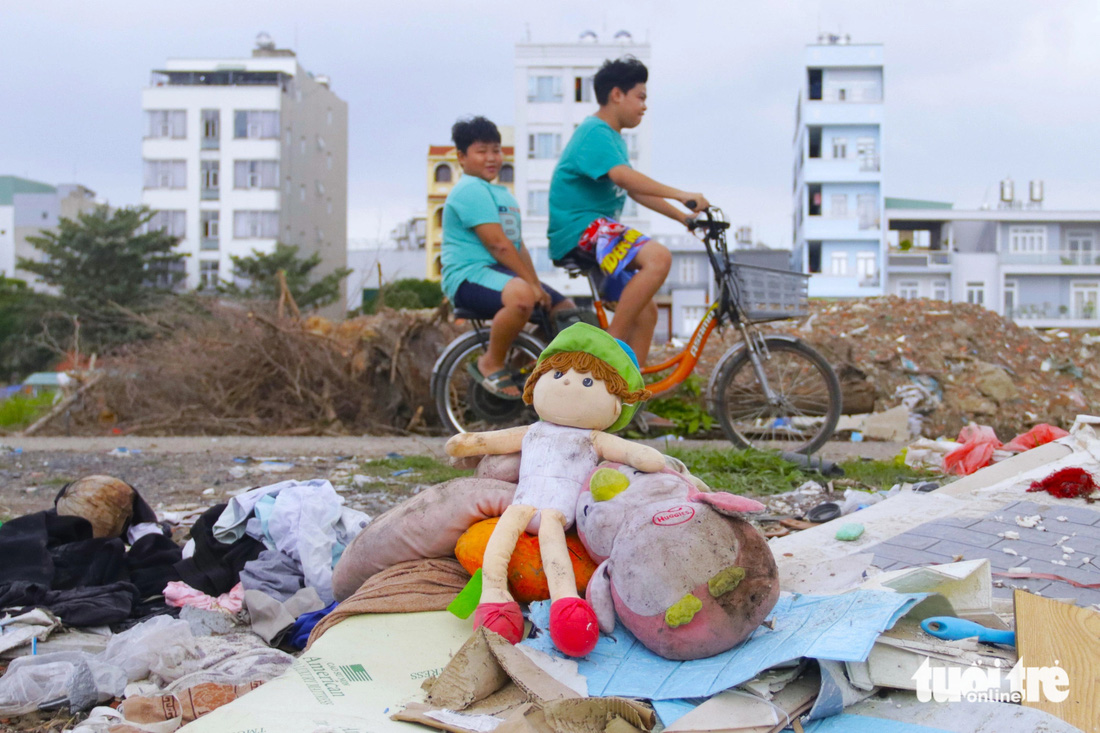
(580,191)
(473,202)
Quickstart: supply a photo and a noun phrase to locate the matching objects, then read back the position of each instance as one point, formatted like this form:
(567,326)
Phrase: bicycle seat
(577,262)
(468,315)
(537,315)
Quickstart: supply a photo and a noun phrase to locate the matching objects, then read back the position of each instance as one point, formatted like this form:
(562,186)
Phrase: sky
(976,90)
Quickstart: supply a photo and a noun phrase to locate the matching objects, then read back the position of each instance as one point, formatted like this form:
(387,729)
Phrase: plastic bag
(77,677)
(977,443)
(1039,435)
(159,647)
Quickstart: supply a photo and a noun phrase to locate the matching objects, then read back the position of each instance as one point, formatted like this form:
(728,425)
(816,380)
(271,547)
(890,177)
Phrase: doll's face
(575,399)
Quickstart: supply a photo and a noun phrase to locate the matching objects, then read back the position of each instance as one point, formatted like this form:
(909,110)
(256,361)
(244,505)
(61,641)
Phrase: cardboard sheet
(351,680)
(840,628)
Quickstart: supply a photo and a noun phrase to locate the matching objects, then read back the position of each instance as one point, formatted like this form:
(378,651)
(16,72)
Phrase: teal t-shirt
(473,202)
(580,191)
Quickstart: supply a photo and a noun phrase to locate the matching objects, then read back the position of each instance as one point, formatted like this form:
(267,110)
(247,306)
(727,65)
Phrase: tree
(21,313)
(104,264)
(261,272)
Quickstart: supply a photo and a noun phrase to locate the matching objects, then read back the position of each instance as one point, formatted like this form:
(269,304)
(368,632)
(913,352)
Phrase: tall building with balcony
(1040,268)
(443,173)
(26,209)
(838,233)
(554,93)
(241,153)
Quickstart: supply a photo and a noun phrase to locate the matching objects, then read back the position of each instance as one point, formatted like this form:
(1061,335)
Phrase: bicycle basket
(768,294)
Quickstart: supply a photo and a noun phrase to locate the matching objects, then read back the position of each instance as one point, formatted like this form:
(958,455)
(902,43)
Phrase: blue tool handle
(951,628)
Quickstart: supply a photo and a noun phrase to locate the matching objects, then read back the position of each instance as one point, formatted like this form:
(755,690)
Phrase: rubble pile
(250,373)
(951,363)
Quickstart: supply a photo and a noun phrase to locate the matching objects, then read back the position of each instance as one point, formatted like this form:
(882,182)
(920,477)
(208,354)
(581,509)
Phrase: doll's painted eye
(559,375)
(587,382)
(586,508)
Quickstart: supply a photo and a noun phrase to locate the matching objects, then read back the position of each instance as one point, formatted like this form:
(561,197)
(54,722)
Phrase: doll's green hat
(605,347)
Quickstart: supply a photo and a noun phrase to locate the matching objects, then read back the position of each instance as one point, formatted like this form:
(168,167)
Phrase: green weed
(685,407)
(423,470)
(21,410)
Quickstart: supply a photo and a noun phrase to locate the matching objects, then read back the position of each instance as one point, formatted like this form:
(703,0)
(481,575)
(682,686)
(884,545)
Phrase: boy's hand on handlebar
(697,202)
(542,298)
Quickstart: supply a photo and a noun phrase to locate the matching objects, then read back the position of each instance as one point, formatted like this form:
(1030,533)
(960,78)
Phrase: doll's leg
(573,625)
(498,611)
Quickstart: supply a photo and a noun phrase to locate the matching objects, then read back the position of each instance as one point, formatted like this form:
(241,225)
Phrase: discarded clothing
(1039,435)
(215,567)
(273,573)
(298,635)
(270,618)
(407,587)
(180,594)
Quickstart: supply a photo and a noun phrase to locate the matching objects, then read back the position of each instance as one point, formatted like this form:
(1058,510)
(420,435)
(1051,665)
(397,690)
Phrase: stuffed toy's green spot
(725,580)
(683,610)
(607,483)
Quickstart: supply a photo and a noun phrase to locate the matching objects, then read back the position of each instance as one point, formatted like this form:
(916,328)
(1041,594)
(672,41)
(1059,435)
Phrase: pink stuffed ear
(725,502)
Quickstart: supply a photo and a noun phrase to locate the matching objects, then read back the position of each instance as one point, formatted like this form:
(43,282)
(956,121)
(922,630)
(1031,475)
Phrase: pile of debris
(247,372)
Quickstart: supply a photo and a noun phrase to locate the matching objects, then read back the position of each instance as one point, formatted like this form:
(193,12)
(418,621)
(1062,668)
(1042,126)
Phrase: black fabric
(23,552)
(150,562)
(88,562)
(91,606)
(215,567)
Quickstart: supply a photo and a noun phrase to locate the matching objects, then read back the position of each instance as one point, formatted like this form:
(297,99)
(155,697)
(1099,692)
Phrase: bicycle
(766,391)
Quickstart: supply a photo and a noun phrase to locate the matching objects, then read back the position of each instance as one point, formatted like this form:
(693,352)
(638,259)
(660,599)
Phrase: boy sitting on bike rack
(590,184)
(486,267)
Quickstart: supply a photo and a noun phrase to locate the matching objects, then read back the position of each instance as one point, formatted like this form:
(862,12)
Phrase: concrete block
(914,541)
(966,536)
(891,425)
(997,559)
(906,555)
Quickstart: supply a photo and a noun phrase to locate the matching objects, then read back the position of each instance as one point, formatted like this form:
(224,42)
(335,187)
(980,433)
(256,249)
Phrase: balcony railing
(210,194)
(208,244)
(1067,257)
(869,222)
(868,163)
(1049,312)
(918,258)
(210,143)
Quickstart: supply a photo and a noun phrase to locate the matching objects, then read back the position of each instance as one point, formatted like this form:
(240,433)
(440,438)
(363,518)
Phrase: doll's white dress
(554,466)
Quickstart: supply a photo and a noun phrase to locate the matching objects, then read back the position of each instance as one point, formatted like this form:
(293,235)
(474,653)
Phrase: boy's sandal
(495,383)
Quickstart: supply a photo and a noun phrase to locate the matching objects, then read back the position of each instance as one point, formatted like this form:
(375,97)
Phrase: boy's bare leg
(636,314)
(518,302)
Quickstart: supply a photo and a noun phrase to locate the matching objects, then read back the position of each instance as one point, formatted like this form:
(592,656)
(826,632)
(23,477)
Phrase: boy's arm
(543,296)
(502,249)
(636,183)
(661,206)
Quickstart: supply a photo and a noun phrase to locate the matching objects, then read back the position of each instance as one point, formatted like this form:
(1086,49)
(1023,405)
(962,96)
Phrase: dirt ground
(185,474)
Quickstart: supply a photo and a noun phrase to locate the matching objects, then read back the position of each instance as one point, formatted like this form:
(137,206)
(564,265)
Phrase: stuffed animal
(679,567)
(578,389)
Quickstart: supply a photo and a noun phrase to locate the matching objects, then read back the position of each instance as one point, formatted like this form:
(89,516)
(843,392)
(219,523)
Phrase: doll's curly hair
(582,361)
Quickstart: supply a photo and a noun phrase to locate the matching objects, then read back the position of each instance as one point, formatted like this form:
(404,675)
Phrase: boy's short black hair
(625,73)
(472,130)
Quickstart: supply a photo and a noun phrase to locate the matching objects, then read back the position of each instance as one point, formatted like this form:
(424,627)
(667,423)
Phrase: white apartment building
(26,209)
(241,153)
(838,231)
(553,88)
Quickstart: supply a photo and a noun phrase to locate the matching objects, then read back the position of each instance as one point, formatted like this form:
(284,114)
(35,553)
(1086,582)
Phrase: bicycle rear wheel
(464,405)
(806,407)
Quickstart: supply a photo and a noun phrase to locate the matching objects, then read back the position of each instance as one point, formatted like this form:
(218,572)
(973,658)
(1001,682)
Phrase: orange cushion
(526,580)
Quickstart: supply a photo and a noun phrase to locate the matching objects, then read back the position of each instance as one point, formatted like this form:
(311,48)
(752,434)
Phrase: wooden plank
(1053,634)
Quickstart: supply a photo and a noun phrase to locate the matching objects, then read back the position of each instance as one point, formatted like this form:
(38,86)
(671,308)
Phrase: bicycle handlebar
(709,223)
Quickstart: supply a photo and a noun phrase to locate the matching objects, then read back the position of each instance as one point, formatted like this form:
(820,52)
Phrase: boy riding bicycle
(486,267)
(590,184)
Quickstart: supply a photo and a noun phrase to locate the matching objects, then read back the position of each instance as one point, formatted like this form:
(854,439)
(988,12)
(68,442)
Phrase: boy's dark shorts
(485,302)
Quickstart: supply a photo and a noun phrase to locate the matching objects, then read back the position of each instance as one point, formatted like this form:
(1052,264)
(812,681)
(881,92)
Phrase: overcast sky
(975,89)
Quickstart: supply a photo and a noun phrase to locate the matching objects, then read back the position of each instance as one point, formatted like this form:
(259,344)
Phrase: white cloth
(554,465)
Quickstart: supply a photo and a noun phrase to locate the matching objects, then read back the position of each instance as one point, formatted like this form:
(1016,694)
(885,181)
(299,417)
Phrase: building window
(840,147)
(320,188)
(1081,246)
(208,274)
(543,145)
(1083,295)
(975,293)
(443,173)
(209,172)
(939,290)
(838,264)
(329,116)
(255,174)
(253,123)
(865,265)
(867,206)
(692,314)
(328,207)
(582,89)
(255,224)
(210,222)
(165,174)
(813,192)
(172,223)
(166,123)
(544,89)
(631,140)
(320,143)
(302,145)
(908,289)
(868,157)
(302,192)
(328,161)
(689,269)
(538,203)
(289,136)
(507,174)
(1027,240)
(838,205)
(211,128)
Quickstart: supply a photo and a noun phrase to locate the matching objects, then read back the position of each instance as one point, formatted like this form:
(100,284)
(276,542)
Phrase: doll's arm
(495,442)
(613,448)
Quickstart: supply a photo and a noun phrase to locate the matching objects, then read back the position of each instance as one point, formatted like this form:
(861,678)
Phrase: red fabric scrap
(976,446)
(1039,435)
(1068,483)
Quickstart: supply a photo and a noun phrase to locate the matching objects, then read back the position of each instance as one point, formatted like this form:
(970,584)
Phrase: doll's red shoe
(573,626)
(505,619)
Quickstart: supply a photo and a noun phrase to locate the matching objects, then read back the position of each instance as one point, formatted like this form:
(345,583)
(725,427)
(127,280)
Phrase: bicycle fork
(758,352)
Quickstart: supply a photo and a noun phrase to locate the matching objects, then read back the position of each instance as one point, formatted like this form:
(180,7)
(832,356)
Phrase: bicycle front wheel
(805,404)
(465,406)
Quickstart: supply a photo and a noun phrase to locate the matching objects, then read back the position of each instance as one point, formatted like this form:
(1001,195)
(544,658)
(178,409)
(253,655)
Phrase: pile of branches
(247,371)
